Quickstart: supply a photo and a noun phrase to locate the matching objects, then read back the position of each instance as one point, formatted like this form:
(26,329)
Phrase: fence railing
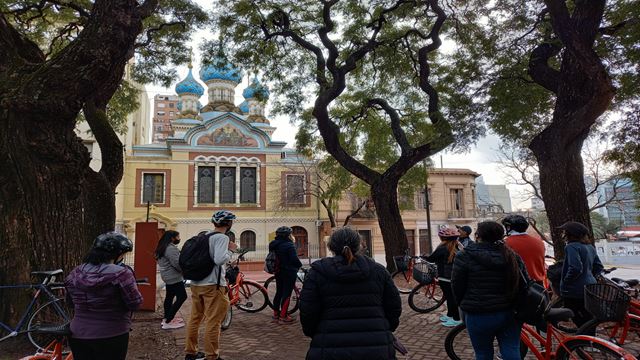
(261,251)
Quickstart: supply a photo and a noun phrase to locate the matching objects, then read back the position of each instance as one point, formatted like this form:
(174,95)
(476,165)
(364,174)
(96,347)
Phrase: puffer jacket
(349,311)
(478,280)
(286,252)
(103,298)
(440,257)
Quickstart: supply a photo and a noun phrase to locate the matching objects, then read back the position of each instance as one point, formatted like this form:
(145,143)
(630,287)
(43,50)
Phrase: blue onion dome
(189,85)
(256,90)
(244,107)
(220,69)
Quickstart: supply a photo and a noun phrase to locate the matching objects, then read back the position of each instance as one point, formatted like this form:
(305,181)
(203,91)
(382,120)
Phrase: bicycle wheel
(458,346)
(616,332)
(52,313)
(227,319)
(403,284)
(270,286)
(426,298)
(253,297)
(585,349)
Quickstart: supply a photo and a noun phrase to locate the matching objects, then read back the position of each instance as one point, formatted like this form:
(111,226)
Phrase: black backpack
(271,263)
(195,261)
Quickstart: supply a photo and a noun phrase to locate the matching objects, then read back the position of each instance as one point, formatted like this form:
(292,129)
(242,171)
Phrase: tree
(603,227)
(368,66)
(547,71)
(58,59)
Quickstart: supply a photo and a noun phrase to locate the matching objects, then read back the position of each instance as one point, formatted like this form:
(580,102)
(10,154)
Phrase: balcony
(461,214)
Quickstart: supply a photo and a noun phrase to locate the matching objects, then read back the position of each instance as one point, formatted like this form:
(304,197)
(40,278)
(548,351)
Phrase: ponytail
(348,254)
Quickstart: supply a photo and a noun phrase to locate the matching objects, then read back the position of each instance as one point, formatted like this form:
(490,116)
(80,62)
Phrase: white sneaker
(172,325)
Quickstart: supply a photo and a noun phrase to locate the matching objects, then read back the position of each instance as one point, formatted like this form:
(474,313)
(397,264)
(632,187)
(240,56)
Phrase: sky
(481,157)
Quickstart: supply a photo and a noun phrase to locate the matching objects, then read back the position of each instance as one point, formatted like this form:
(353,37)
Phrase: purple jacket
(104,297)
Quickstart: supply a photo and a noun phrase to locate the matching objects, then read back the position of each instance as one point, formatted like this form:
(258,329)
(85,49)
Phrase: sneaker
(178,319)
(445,318)
(163,322)
(198,356)
(172,325)
(287,320)
(452,323)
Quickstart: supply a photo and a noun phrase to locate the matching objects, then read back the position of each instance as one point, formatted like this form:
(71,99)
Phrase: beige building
(452,202)
(165,110)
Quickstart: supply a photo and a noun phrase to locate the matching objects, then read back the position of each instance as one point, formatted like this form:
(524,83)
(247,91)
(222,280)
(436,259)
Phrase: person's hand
(232,246)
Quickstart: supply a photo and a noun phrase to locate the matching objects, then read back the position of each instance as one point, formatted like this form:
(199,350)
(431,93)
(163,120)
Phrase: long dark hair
(345,242)
(164,241)
(492,232)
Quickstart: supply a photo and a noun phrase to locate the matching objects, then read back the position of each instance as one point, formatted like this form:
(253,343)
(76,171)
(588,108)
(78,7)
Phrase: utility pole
(427,201)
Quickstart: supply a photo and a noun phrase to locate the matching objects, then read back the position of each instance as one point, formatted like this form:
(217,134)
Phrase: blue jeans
(483,328)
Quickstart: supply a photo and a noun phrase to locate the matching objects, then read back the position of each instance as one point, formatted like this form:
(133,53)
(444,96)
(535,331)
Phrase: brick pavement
(255,337)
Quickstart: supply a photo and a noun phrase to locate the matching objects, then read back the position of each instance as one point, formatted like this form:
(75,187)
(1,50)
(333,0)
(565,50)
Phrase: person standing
(443,257)
(349,306)
(104,296)
(209,300)
(464,233)
(530,249)
(287,266)
(486,281)
(581,266)
(167,255)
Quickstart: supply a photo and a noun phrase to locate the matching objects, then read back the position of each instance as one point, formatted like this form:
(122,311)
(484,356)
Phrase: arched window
(248,240)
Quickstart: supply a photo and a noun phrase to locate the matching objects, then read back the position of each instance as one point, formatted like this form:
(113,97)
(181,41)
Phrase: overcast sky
(481,158)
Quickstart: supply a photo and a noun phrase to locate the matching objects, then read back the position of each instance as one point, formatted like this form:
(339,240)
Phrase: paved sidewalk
(254,336)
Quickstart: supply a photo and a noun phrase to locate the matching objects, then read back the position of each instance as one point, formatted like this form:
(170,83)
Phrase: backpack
(195,261)
(271,262)
(532,301)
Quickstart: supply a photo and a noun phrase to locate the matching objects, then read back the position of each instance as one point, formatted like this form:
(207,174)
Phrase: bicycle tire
(612,331)
(48,314)
(253,297)
(400,280)
(294,303)
(432,295)
(226,322)
(458,333)
(585,346)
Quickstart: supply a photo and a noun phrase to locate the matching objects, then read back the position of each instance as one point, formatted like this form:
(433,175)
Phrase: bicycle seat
(55,330)
(47,273)
(558,314)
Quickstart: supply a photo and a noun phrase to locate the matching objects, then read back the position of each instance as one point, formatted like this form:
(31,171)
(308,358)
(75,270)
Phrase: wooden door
(302,241)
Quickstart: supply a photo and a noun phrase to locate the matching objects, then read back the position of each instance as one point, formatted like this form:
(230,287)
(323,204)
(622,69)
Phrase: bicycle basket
(402,262)
(424,273)
(606,302)
(232,274)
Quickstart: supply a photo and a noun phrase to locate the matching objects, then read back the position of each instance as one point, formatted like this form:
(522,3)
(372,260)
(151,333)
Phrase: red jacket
(532,251)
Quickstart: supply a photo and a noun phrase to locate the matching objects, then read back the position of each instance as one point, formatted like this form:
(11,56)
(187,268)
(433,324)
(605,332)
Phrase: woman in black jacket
(443,257)
(485,282)
(349,305)
(287,266)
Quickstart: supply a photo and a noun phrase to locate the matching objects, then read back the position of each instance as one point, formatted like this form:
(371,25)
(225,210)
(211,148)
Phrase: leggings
(452,306)
(113,348)
(171,308)
(285,281)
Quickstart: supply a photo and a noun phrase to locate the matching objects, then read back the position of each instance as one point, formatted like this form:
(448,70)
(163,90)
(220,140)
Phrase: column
(216,181)
(238,183)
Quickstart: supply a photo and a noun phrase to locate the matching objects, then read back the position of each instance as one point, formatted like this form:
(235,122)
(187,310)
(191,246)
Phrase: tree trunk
(385,197)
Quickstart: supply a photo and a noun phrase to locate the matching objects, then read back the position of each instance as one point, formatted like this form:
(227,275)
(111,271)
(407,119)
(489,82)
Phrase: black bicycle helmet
(222,216)
(113,243)
(515,222)
(284,230)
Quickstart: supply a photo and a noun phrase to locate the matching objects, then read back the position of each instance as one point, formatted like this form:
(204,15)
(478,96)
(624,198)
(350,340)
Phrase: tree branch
(16,47)
(354,212)
(539,69)
(396,128)
(150,32)
(110,145)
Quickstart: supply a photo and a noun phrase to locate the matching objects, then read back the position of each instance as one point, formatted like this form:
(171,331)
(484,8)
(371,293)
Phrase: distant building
(537,203)
(625,204)
(492,199)
(165,110)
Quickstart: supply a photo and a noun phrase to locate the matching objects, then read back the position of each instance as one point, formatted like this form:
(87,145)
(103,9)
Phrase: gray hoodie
(169,265)
(219,252)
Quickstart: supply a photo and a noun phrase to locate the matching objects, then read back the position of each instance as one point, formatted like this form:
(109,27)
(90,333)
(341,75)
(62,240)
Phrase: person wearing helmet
(530,249)
(581,266)
(209,300)
(104,296)
(286,272)
(443,257)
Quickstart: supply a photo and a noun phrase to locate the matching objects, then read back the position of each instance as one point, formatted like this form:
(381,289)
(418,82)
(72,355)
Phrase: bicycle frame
(529,332)
(40,288)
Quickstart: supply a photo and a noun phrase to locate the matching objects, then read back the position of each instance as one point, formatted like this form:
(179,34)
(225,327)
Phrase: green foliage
(602,227)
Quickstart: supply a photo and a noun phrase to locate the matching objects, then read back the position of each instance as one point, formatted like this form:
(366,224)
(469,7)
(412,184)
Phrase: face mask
(176,241)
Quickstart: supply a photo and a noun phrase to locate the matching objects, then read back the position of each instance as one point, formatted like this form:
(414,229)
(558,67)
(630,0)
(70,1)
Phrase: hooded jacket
(479,279)
(104,297)
(349,311)
(286,253)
